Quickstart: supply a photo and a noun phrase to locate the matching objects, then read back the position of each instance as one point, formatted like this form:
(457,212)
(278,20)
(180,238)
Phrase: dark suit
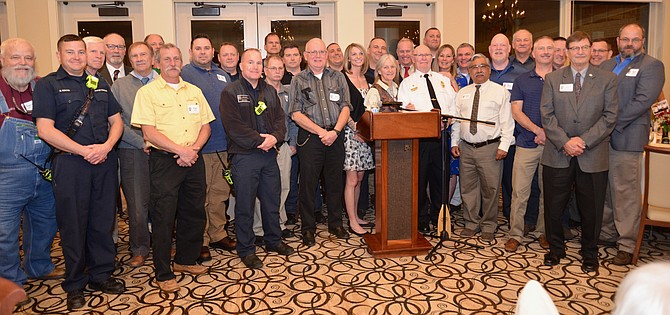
(639,84)
(592,118)
(104,73)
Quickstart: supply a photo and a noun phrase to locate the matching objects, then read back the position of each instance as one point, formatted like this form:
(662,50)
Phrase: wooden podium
(396,137)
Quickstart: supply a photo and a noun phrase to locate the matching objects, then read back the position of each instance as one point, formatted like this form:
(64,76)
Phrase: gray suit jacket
(104,73)
(592,118)
(639,85)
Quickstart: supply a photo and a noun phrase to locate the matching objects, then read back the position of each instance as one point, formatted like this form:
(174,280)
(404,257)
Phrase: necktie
(475,110)
(406,72)
(431,91)
(116,75)
(144,81)
(578,84)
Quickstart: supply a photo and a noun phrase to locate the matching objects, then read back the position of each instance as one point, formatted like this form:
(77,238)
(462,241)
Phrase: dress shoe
(308,238)
(544,243)
(225,243)
(320,218)
(551,259)
(527,228)
(169,286)
(281,249)
(339,232)
(468,232)
(590,265)
(367,225)
(192,269)
(136,261)
(286,233)
(57,273)
(511,245)
(357,234)
(252,262)
(75,300)
(205,255)
(488,237)
(622,258)
(259,241)
(111,285)
(567,233)
(291,219)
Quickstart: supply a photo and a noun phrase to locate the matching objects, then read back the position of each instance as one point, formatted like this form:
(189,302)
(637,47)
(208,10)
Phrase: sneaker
(168,286)
(192,269)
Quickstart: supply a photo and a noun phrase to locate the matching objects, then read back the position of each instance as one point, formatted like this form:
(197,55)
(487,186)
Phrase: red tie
(406,73)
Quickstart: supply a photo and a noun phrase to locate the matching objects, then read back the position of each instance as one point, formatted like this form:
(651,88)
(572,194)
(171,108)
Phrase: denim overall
(24,195)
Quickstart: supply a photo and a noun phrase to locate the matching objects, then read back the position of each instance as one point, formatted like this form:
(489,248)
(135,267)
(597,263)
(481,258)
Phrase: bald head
(422,58)
(499,49)
(316,55)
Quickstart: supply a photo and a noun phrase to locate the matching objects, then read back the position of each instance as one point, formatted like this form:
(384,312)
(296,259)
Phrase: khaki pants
(218,192)
(526,162)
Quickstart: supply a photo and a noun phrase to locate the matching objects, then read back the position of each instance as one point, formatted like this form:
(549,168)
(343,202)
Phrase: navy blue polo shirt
(59,96)
(506,77)
(528,88)
(211,82)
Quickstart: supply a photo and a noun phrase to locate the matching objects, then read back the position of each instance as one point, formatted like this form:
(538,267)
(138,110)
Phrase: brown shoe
(169,285)
(488,237)
(622,258)
(173,251)
(543,241)
(512,245)
(137,261)
(57,273)
(468,233)
(192,269)
(225,243)
(205,255)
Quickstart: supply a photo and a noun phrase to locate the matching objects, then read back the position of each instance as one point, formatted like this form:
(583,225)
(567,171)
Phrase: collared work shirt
(176,113)
(414,89)
(321,100)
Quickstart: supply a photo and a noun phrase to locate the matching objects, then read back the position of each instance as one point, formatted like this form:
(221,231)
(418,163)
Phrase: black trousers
(590,192)
(256,175)
(176,193)
(430,173)
(85,209)
(317,159)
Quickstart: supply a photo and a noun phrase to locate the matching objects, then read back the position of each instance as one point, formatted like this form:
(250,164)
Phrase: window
(102,28)
(231,31)
(602,20)
(296,31)
(540,17)
(393,31)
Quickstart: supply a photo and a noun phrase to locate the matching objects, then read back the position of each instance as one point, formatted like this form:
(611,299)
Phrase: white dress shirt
(110,68)
(414,90)
(494,105)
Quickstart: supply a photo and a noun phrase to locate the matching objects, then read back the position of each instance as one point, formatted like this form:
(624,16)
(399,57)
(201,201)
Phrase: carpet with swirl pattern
(340,277)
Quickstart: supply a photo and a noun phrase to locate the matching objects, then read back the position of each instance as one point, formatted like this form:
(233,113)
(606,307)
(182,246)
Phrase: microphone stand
(445,215)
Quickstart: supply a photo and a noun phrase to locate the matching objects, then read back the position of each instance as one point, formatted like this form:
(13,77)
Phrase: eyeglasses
(275,68)
(631,40)
(317,52)
(112,47)
(478,67)
(577,48)
(422,55)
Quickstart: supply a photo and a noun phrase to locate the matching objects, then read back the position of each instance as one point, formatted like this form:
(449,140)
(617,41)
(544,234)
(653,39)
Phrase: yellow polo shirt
(176,113)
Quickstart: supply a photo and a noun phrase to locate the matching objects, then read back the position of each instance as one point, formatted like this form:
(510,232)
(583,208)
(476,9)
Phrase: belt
(481,144)
(159,151)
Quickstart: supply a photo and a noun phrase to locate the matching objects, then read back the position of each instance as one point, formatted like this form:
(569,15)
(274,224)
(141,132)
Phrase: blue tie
(144,81)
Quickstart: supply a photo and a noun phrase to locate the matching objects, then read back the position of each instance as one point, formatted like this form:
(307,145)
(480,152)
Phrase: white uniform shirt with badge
(494,105)
(414,90)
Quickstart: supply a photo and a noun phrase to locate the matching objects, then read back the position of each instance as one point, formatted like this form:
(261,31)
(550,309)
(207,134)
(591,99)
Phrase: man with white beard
(23,193)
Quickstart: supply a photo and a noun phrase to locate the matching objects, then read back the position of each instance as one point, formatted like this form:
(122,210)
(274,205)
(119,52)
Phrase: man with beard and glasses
(23,193)
(640,80)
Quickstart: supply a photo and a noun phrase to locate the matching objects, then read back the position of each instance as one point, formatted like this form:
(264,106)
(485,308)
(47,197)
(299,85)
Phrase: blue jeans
(24,195)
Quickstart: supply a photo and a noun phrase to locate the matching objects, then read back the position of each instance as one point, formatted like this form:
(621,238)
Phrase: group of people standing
(183,135)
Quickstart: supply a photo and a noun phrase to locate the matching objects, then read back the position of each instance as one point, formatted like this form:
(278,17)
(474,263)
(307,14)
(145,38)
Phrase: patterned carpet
(340,277)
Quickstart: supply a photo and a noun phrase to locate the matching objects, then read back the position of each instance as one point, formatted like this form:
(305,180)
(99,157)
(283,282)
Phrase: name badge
(63,90)
(567,87)
(286,97)
(194,109)
(632,72)
(334,97)
(243,99)
(221,78)
(28,105)
(414,88)
(508,85)
(466,96)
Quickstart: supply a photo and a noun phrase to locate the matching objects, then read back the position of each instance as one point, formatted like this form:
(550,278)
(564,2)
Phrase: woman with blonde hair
(445,64)
(358,154)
